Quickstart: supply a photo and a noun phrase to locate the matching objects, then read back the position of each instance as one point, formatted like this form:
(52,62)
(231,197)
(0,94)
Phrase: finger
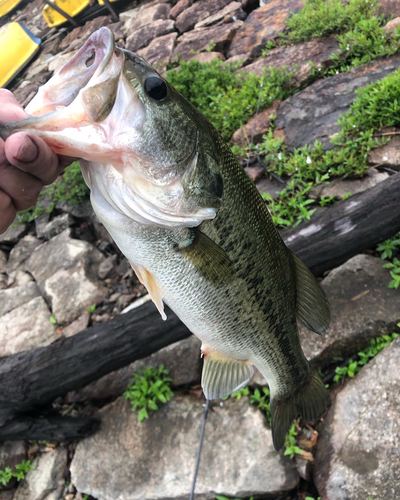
(22,188)
(33,156)
(7,211)
(11,110)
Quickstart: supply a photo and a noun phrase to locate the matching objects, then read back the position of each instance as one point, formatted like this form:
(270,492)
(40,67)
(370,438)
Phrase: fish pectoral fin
(148,280)
(222,375)
(210,259)
(312,302)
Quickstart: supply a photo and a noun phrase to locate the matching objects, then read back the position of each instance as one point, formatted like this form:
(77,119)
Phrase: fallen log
(348,227)
(31,380)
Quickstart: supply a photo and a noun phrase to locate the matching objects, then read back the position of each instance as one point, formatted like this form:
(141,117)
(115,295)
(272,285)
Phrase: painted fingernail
(28,151)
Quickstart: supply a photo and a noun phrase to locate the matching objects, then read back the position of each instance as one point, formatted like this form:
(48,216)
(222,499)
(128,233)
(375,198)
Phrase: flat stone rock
(81,210)
(77,326)
(182,359)
(48,230)
(13,234)
(392,25)
(256,127)
(207,57)
(3,262)
(263,24)
(297,58)
(155,459)
(66,272)
(199,40)
(179,8)
(358,446)
(387,155)
(148,15)
(362,307)
(389,8)
(15,297)
(200,10)
(26,327)
(143,36)
(159,52)
(341,187)
(22,251)
(312,114)
(46,481)
(232,9)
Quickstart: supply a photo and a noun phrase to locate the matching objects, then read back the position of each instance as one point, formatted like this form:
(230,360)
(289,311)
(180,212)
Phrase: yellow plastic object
(111,1)
(7,6)
(71,7)
(17,47)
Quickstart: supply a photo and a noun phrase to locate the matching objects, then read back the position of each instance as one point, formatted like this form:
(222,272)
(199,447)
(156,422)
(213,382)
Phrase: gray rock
(143,36)
(256,127)
(262,25)
(362,307)
(3,262)
(232,9)
(46,480)
(207,57)
(147,15)
(22,251)
(297,58)
(66,272)
(159,52)
(387,155)
(391,26)
(11,454)
(18,278)
(182,359)
(312,114)
(26,327)
(15,297)
(389,8)
(107,268)
(48,230)
(3,281)
(200,10)
(358,447)
(179,8)
(13,234)
(199,40)
(155,459)
(82,210)
(77,326)
(341,187)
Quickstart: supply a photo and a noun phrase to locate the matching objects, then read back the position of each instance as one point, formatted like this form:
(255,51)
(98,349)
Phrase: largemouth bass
(193,226)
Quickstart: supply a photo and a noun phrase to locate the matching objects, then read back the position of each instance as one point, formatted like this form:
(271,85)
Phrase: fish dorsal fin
(148,280)
(223,375)
(209,258)
(312,302)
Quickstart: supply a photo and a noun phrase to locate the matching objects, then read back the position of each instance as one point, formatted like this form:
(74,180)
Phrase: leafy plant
(262,399)
(148,388)
(20,472)
(388,247)
(227,98)
(290,444)
(221,497)
(239,394)
(394,273)
(91,309)
(354,366)
(53,319)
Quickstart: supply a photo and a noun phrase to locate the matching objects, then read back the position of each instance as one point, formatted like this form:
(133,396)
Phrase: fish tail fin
(310,401)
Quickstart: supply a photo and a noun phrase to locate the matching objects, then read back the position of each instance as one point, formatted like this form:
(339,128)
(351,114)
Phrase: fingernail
(28,151)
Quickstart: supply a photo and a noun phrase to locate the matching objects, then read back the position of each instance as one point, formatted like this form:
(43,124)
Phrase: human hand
(26,164)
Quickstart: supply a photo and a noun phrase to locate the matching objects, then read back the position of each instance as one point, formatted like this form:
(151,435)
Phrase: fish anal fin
(312,302)
(310,402)
(223,375)
(148,280)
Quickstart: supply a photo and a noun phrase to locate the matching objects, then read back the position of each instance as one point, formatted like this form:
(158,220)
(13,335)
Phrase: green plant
(290,444)
(53,319)
(323,17)
(148,388)
(221,497)
(394,273)
(91,309)
(227,98)
(239,394)
(354,366)
(68,187)
(263,401)
(388,247)
(20,472)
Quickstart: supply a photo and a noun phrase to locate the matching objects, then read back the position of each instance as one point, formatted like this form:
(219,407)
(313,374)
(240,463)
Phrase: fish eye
(156,88)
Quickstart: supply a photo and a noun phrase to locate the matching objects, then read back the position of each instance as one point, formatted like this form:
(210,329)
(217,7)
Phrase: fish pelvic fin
(312,302)
(310,401)
(223,375)
(148,280)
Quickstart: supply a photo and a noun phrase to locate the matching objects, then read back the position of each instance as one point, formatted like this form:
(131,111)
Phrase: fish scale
(192,224)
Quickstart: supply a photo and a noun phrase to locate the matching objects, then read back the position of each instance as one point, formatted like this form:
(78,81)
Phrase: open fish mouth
(89,62)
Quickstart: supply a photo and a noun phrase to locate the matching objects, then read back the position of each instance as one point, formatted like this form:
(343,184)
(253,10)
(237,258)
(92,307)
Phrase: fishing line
(203,427)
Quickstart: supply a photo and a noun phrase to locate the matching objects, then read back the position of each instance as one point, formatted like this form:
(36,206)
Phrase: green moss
(323,17)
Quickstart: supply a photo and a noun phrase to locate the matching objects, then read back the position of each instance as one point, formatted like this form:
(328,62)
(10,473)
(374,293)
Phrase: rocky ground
(60,274)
